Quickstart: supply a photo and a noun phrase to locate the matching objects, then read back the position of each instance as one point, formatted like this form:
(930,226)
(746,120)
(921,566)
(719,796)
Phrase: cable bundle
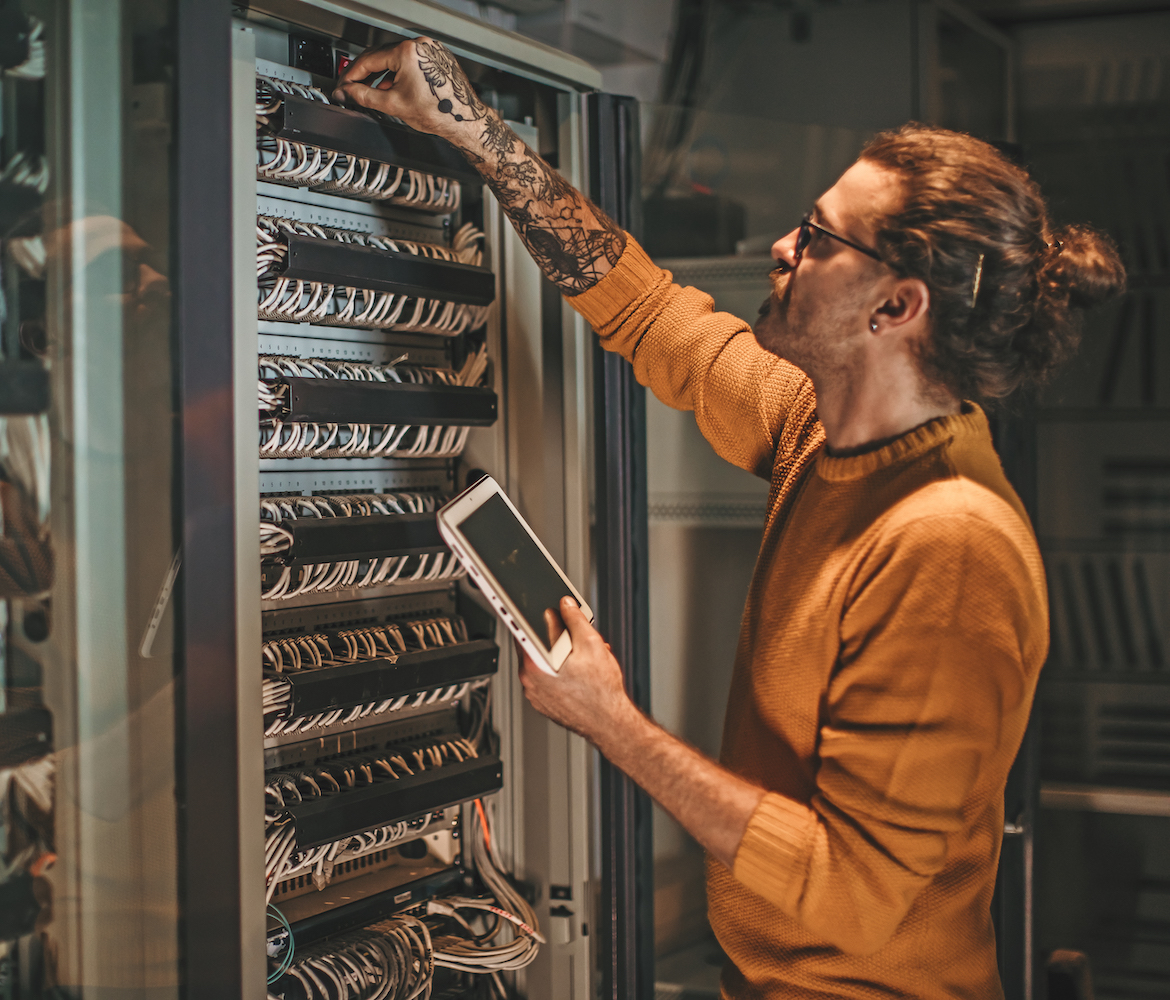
(284,789)
(389,960)
(321,861)
(305,165)
(275,511)
(296,300)
(490,952)
(298,439)
(314,652)
(511,941)
(320,578)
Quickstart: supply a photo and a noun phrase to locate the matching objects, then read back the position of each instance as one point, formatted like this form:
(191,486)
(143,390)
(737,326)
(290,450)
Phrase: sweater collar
(971,420)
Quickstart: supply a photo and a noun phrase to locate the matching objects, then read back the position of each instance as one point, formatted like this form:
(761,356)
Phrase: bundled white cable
(297,300)
(29,170)
(292,654)
(280,438)
(511,940)
(389,960)
(515,939)
(24,457)
(318,578)
(305,165)
(33,67)
(287,788)
(278,511)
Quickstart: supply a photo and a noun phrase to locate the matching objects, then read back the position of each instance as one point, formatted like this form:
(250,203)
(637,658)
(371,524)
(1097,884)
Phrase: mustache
(779,277)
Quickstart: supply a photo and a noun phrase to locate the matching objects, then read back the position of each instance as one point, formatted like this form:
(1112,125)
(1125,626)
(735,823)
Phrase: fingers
(388,57)
(359,93)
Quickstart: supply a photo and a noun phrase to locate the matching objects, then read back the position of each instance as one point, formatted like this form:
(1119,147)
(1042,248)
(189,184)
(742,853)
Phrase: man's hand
(572,241)
(588,695)
(422,84)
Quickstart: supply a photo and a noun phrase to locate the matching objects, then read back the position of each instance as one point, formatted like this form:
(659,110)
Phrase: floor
(690,974)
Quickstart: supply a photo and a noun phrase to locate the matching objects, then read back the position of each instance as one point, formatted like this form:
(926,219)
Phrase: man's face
(818,314)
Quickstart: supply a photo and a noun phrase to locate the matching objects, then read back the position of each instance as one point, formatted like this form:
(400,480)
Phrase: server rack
(347,720)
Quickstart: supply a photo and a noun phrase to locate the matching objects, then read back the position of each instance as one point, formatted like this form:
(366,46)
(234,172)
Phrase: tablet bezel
(449,518)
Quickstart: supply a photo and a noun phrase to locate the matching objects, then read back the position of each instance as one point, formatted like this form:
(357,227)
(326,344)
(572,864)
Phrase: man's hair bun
(1084,266)
(967,208)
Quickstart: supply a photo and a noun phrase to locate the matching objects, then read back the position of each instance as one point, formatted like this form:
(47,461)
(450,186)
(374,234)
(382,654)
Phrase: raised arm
(572,241)
(691,357)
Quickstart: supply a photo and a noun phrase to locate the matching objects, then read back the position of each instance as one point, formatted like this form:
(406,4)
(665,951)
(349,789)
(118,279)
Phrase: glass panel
(1095,126)
(88,858)
(970,81)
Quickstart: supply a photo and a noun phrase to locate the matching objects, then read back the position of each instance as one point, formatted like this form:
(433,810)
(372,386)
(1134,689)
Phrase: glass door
(88,850)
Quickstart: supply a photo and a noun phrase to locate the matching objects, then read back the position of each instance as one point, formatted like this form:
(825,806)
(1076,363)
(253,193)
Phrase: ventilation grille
(1106,734)
(1108,611)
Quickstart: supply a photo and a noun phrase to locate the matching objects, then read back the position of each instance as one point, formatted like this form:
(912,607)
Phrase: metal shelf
(373,908)
(1104,799)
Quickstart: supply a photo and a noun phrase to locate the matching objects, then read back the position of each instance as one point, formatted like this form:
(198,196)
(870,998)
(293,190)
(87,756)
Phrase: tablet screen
(515,560)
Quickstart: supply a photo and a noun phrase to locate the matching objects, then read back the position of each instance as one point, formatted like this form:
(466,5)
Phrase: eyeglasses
(804,237)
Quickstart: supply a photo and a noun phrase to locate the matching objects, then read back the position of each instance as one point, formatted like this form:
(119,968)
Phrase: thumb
(580,630)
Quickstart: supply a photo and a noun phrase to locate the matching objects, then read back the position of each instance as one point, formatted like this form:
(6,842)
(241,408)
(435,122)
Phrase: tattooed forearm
(572,241)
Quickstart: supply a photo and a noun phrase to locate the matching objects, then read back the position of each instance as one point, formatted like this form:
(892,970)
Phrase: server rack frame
(547,348)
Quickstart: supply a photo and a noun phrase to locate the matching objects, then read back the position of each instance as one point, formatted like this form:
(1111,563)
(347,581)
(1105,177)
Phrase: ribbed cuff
(773,856)
(634,275)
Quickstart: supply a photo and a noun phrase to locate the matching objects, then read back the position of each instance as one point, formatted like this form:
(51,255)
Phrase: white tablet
(508,563)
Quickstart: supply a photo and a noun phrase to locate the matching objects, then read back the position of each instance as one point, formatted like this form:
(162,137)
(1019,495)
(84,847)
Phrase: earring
(873,324)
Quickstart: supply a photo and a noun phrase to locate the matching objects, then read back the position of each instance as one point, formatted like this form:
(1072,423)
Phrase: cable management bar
(303,139)
(314,408)
(313,681)
(337,277)
(313,544)
(348,795)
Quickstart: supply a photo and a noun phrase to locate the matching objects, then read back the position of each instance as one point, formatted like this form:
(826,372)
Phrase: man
(897,621)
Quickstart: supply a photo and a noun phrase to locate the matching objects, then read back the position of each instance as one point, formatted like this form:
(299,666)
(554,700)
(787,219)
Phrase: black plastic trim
(24,388)
(334,817)
(213,932)
(371,536)
(358,134)
(626,891)
(360,683)
(345,401)
(25,735)
(352,266)
(367,911)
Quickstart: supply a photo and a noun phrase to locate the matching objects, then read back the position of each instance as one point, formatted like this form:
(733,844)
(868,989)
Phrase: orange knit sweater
(889,652)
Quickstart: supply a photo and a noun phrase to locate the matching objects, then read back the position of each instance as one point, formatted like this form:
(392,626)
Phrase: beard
(813,335)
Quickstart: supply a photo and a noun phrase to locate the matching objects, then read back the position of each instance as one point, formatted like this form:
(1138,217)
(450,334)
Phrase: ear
(906,308)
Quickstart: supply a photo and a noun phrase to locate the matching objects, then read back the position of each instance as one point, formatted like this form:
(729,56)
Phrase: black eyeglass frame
(804,237)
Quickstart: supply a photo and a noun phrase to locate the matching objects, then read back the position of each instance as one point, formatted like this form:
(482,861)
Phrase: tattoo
(573,242)
(440,69)
(497,137)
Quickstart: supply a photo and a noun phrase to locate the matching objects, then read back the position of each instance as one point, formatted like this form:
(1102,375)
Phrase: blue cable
(287,960)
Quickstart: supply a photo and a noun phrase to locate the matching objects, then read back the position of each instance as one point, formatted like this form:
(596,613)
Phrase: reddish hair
(962,199)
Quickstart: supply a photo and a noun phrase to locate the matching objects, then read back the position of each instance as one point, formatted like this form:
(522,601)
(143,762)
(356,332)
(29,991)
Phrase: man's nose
(784,250)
